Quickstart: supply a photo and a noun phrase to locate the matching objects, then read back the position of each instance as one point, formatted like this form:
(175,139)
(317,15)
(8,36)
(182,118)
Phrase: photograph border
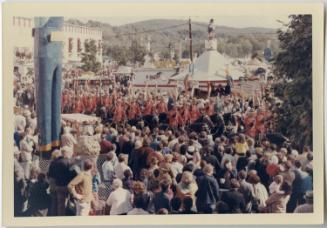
(316,9)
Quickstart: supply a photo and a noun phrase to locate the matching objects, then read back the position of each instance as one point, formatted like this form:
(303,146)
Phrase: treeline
(235,42)
(126,54)
(244,46)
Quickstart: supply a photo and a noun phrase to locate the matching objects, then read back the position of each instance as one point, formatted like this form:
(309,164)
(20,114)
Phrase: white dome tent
(211,66)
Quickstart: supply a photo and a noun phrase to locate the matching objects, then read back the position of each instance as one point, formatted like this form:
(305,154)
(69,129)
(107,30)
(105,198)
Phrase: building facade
(74,36)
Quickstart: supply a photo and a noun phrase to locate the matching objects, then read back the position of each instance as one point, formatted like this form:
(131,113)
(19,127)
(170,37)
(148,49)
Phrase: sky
(267,21)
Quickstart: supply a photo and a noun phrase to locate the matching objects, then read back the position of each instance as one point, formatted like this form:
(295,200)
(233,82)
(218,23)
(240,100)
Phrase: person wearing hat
(307,207)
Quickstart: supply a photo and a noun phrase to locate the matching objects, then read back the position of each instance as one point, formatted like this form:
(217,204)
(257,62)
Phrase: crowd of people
(165,153)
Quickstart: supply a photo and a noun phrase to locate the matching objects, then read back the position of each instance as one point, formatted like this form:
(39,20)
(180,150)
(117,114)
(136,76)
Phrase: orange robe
(162,107)
(79,107)
(195,114)
(119,113)
(148,109)
(210,110)
(173,118)
(134,111)
(186,115)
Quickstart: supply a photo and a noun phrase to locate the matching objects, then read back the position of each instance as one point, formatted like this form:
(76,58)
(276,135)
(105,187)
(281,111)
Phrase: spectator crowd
(161,152)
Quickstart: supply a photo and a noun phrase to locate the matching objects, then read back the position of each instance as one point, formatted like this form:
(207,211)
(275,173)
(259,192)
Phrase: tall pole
(190,37)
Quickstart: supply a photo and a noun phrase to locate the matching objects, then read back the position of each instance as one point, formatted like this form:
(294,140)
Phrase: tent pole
(190,37)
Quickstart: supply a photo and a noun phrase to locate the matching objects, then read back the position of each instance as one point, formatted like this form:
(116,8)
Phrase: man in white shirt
(176,165)
(119,201)
(121,167)
(20,122)
(68,140)
(108,167)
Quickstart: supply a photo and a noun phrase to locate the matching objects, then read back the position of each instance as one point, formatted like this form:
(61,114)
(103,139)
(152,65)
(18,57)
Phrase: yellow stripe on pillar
(45,148)
(55,143)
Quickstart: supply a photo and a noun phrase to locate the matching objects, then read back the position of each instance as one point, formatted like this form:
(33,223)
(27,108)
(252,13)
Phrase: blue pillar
(47,64)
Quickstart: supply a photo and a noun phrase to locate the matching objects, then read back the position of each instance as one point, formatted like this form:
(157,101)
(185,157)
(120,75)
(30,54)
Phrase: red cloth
(272,170)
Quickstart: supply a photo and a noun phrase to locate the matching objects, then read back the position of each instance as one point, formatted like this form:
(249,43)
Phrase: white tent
(212,66)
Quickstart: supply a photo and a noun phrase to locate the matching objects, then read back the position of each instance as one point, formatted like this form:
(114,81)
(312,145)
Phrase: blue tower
(48,68)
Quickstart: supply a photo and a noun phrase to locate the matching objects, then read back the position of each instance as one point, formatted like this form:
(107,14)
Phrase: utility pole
(190,37)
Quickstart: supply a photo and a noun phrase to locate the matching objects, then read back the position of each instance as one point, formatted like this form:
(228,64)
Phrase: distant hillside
(161,32)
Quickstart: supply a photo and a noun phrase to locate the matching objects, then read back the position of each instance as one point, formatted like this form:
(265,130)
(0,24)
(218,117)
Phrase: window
(79,48)
(70,45)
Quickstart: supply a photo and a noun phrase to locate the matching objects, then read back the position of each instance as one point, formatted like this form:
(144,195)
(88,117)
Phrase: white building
(73,46)
(75,38)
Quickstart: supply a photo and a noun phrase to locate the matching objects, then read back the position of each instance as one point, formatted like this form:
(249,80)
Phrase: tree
(231,50)
(164,54)
(89,59)
(293,67)
(137,53)
(118,54)
(246,47)
(176,58)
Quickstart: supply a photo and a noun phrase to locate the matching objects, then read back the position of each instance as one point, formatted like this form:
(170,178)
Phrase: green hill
(236,42)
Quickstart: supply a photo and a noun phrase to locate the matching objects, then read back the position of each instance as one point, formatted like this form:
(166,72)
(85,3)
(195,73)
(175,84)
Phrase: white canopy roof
(212,66)
(79,118)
